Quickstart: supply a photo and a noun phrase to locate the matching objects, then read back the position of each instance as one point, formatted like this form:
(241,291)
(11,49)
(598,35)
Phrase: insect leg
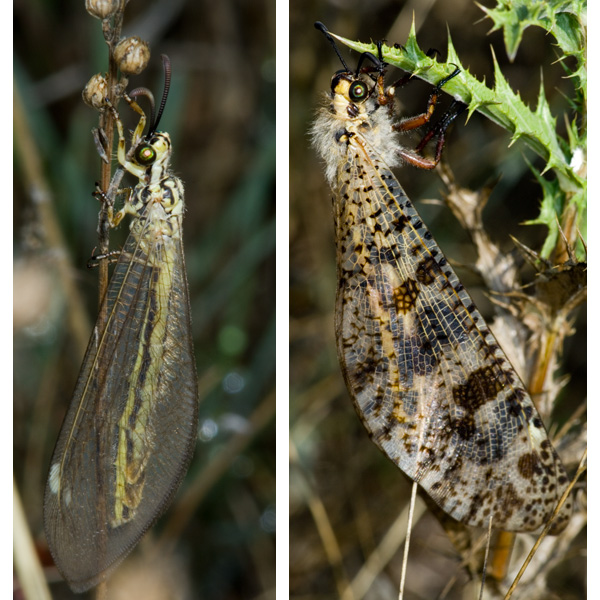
(455,109)
(391,90)
(122,155)
(115,218)
(137,134)
(95,259)
(420,120)
(414,157)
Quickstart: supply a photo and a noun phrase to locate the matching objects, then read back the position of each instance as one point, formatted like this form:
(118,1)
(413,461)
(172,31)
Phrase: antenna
(379,64)
(167,69)
(325,32)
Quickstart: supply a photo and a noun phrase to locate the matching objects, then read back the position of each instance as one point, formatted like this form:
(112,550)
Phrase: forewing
(428,379)
(142,366)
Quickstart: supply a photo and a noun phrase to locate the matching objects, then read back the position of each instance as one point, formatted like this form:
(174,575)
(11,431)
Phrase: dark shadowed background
(220,116)
(344,494)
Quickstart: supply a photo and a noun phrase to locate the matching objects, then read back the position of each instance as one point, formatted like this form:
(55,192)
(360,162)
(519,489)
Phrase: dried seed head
(95,92)
(102,8)
(132,55)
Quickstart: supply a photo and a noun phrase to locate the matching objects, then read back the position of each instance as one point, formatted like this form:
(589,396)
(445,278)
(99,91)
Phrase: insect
(427,377)
(130,429)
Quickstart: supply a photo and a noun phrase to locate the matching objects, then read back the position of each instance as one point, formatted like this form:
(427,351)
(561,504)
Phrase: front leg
(122,155)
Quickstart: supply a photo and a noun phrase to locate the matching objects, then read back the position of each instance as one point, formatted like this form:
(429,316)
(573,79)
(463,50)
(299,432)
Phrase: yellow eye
(358,91)
(145,155)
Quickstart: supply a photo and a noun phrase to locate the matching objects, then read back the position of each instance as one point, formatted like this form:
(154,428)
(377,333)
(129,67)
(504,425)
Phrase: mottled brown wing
(428,379)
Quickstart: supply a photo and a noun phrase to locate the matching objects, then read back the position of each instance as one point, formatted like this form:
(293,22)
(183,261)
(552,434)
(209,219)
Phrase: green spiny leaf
(501,104)
(568,33)
(562,18)
(505,107)
(550,210)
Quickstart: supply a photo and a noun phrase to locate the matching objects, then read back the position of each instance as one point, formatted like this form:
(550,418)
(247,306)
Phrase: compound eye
(358,91)
(145,155)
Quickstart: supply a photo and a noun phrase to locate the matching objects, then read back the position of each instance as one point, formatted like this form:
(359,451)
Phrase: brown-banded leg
(415,157)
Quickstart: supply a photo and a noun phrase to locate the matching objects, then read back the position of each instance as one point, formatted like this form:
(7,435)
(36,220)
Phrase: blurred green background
(344,494)
(218,538)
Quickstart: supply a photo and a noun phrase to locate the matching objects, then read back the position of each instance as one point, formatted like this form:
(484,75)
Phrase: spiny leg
(122,155)
(455,109)
(95,259)
(411,123)
(386,96)
(414,157)
(115,218)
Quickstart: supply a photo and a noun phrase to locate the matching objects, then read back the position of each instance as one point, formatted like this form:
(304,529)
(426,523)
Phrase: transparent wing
(131,427)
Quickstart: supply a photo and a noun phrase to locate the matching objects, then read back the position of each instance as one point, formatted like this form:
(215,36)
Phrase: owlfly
(130,431)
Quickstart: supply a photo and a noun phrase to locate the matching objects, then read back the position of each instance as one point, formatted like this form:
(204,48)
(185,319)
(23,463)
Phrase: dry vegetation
(347,501)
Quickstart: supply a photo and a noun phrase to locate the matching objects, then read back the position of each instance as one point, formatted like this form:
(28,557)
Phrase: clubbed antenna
(325,32)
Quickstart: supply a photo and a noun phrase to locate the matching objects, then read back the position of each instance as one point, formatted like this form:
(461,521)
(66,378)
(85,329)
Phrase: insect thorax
(168,192)
(343,123)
